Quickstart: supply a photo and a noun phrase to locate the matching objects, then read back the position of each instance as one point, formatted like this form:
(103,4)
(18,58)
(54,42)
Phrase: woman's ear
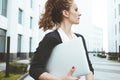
(65,13)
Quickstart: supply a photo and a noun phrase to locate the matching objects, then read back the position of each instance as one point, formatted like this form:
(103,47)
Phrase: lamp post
(7,57)
(119,54)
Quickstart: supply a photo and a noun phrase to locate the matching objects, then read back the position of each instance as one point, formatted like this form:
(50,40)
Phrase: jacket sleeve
(89,62)
(41,56)
(88,59)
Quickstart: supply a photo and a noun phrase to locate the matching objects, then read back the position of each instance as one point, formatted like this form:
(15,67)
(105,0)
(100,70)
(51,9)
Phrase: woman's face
(74,15)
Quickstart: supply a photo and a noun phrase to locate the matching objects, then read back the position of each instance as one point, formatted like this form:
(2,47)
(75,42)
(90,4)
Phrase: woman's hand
(69,76)
(89,76)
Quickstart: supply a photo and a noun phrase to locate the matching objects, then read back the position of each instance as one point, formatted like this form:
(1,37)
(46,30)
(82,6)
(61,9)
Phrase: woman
(60,15)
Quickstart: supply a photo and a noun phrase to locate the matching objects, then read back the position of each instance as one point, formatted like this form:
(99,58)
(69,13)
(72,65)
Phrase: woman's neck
(67,29)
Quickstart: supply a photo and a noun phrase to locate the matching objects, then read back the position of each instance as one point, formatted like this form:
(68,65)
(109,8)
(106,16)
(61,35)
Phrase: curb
(23,76)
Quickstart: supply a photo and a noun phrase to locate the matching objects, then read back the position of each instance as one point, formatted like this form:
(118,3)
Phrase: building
(95,40)
(18,20)
(114,27)
(93,34)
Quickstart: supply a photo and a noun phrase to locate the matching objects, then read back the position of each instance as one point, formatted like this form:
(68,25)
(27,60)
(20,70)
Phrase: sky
(98,9)
(99,18)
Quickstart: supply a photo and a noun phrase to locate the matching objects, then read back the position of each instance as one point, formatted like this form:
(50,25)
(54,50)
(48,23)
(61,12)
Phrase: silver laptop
(66,55)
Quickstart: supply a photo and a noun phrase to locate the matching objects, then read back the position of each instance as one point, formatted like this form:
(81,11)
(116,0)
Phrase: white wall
(13,28)
(112,21)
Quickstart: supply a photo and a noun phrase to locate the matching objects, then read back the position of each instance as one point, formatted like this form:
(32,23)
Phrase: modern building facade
(95,40)
(19,21)
(114,29)
(113,26)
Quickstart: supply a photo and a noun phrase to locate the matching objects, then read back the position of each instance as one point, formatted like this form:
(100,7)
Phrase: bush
(101,55)
(18,68)
(113,58)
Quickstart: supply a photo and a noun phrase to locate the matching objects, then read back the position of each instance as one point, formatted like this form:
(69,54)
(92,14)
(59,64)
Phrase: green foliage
(113,58)
(18,68)
(11,76)
(101,55)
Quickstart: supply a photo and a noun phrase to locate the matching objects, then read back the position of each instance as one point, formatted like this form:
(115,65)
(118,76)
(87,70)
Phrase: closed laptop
(66,55)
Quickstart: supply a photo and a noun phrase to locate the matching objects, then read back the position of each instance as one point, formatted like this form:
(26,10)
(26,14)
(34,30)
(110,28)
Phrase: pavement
(104,69)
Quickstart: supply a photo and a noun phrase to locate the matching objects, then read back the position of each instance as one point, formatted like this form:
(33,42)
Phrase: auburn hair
(53,13)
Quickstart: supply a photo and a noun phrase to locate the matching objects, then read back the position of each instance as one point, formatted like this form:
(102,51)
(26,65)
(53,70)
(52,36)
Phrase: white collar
(64,37)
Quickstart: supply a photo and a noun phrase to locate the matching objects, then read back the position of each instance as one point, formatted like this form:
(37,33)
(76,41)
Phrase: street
(105,69)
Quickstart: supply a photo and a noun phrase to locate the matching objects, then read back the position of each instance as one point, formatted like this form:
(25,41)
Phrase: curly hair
(53,13)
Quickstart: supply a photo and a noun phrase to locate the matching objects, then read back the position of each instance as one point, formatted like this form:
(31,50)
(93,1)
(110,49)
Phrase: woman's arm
(47,76)
(42,55)
(68,76)
(89,76)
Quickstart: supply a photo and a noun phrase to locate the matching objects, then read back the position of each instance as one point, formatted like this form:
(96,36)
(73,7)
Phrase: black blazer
(43,52)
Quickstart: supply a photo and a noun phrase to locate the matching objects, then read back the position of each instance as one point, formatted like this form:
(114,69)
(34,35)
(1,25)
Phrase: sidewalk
(2,66)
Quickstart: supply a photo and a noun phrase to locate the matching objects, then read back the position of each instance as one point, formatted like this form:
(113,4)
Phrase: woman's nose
(80,14)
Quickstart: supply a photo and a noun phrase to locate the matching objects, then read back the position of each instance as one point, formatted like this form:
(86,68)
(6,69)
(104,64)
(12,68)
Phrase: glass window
(119,9)
(115,13)
(20,15)
(0,7)
(31,3)
(115,29)
(3,7)
(19,43)
(2,40)
(119,27)
(114,1)
(30,45)
(31,22)
(116,45)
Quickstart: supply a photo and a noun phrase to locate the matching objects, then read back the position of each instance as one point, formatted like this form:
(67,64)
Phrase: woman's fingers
(71,71)
(69,75)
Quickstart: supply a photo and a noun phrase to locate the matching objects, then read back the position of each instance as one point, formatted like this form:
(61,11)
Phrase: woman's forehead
(74,5)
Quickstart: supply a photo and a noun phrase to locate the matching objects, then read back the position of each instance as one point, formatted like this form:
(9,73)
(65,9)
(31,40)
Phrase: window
(119,9)
(19,43)
(20,15)
(0,7)
(116,45)
(115,13)
(114,1)
(31,3)
(115,29)
(3,7)
(31,22)
(119,27)
(2,40)
(30,45)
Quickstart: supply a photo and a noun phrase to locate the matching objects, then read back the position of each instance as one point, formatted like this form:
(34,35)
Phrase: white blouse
(64,37)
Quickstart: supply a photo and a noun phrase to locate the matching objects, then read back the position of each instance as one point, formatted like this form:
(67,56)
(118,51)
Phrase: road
(105,69)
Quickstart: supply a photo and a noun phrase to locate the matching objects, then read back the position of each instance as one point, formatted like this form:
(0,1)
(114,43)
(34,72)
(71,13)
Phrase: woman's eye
(76,9)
